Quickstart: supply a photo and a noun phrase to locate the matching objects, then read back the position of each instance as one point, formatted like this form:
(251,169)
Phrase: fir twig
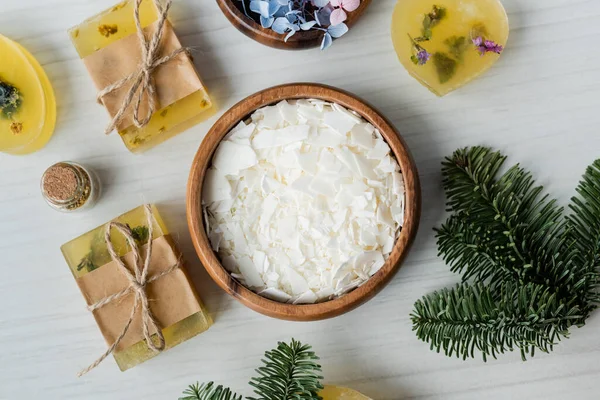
(209,391)
(467,318)
(537,272)
(290,373)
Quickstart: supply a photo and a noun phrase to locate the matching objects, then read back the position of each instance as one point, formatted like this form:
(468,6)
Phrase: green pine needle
(290,372)
(537,272)
(468,318)
(208,391)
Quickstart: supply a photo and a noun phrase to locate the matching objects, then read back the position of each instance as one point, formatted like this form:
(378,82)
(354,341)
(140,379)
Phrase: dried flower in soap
(10,99)
(487,46)
(421,55)
(430,21)
(287,17)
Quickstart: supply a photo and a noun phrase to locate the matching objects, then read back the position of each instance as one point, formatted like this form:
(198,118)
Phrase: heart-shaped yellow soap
(340,393)
(445,44)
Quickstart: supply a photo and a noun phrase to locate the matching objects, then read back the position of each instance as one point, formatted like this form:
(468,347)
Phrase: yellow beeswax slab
(28,123)
(454,59)
(118,23)
(89,252)
(340,393)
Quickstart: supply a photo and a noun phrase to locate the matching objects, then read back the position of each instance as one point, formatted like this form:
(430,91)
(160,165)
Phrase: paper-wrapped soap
(111,50)
(173,301)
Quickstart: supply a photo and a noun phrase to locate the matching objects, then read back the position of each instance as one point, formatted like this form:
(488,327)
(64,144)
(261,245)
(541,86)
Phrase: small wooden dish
(202,162)
(300,41)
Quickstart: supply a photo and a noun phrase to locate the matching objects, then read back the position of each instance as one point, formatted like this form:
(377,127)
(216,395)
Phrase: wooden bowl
(202,162)
(300,41)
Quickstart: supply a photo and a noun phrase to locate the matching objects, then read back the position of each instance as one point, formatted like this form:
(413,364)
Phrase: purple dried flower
(487,46)
(423,57)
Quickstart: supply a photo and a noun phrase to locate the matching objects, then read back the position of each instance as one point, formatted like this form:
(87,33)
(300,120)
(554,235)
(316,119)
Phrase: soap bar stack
(27,103)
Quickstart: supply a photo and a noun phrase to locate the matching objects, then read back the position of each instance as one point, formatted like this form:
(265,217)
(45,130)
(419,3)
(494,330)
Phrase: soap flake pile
(303,202)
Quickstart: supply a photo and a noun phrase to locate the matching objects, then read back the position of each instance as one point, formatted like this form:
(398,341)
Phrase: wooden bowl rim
(300,41)
(202,161)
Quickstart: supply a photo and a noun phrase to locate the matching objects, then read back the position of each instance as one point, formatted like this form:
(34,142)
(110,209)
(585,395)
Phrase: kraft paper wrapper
(173,80)
(171,297)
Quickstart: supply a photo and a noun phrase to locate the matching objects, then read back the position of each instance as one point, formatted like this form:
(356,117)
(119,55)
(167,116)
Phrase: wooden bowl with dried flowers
(293,24)
(203,162)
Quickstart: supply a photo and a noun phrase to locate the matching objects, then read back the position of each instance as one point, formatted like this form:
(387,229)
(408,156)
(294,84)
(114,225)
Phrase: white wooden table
(540,104)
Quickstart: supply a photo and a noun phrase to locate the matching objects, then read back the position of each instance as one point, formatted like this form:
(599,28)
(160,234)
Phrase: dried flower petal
(338,16)
(423,57)
(487,46)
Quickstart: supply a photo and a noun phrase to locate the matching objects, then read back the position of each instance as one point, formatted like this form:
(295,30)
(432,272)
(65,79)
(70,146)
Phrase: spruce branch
(521,228)
(466,318)
(536,273)
(583,235)
(208,391)
(290,372)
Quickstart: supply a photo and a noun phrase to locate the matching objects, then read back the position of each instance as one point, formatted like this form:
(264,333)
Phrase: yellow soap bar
(27,102)
(454,59)
(341,393)
(89,252)
(117,23)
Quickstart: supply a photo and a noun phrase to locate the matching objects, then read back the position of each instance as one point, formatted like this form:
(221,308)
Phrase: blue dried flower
(287,17)
(267,10)
(333,32)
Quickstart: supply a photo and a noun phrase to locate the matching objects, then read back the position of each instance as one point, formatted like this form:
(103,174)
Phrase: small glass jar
(67,186)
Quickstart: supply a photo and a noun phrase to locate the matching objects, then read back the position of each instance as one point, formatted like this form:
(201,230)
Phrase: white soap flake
(250,273)
(280,137)
(339,122)
(232,157)
(308,297)
(304,203)
(216,187)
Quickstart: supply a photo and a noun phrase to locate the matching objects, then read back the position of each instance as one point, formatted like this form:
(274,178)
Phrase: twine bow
(137,285)
(142,78)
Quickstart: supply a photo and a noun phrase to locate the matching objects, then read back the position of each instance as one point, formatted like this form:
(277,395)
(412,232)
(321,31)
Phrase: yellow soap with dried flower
(445,44)
(27,102)
(105,31)
(87,257)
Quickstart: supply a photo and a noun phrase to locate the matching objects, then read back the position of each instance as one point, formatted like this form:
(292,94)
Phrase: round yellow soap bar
(436,40)
(27,102)
(340,393)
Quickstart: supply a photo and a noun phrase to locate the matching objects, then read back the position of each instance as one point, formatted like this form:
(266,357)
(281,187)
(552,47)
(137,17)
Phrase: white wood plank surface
(540,104)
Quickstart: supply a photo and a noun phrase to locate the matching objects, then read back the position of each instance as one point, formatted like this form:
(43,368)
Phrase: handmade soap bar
(27,103)
(340,393)
(445,44)
(111,36)
(174,302)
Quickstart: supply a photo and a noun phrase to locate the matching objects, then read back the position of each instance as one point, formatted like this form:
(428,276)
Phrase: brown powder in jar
(60,182)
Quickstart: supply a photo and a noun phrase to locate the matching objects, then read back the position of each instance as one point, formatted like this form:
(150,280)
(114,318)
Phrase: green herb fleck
(140,234)
(445,66)
(10,100)
(87,263)
(457,45)
(430,21)
(479,30)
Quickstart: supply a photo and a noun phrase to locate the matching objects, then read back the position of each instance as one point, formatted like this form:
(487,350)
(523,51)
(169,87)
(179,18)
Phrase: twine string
(143,83)
(138,282)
